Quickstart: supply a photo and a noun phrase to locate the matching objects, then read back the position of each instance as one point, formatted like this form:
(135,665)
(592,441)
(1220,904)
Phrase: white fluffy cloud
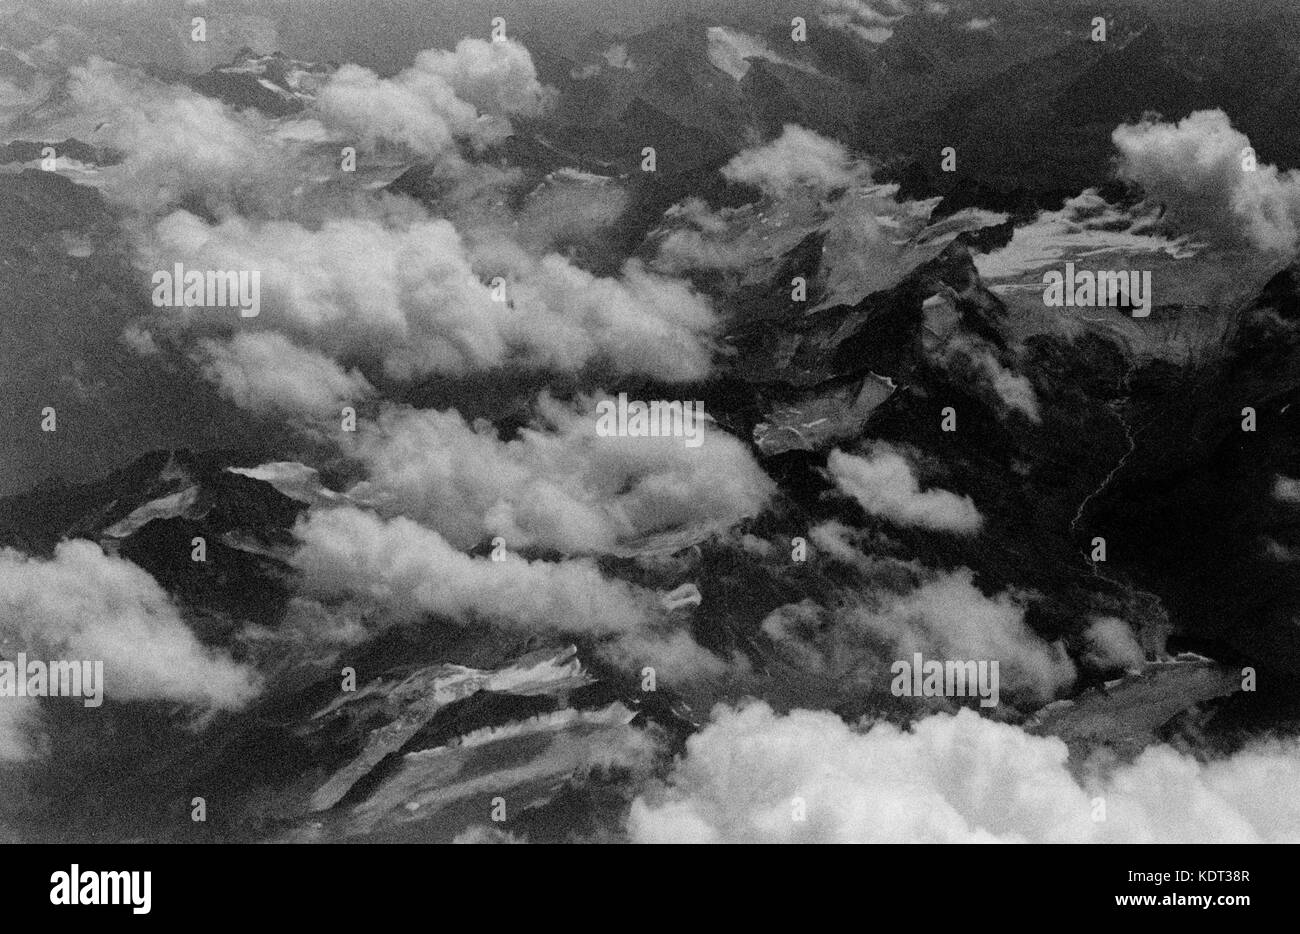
(884,484)
(496,77)
(559,484)
(417,110)
(941,615)
(796,158)
(951,779)
(86,605)
(948,617)
(443,96)
(407,297)
(1195,167)
(177,143)
(263,370)
(412,298)
(1111,644)
(409,570)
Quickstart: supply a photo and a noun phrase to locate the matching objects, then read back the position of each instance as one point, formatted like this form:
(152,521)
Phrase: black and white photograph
(649,422)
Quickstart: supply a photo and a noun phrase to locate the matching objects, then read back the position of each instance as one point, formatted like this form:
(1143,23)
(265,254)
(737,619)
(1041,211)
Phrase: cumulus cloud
(942,615)
(177,144)
(885,484)
(1195,167)
(85,605)
(410,297)
(558,484)
(497,77)
(640,322)
(442,97)
(416,110)
(1111,644)
(264,371)
(950,779)
(411,571)
(407,297)
(949,617)
(408,570)
(796,158)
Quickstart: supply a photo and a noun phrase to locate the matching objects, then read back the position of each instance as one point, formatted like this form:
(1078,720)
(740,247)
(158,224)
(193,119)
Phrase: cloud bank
(177,144)
(751,773)
(465,94)
(1196,168)
(410,298)
(408,571)
(558,484)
